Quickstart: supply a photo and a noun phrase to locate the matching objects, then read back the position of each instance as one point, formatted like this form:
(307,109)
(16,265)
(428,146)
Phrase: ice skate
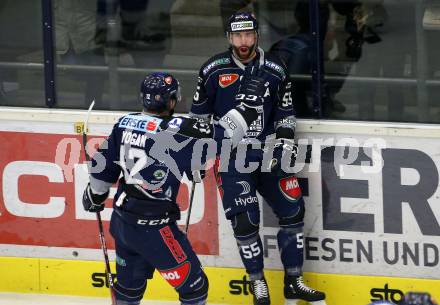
(261,292)
(295,290)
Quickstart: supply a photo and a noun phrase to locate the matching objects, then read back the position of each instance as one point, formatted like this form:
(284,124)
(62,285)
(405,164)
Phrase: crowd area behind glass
(379,57)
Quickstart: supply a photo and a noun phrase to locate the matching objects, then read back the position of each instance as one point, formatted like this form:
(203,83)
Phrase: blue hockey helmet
(240,22)
(157,89)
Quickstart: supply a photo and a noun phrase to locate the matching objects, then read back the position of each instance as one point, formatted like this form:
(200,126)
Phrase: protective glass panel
(106,47)
(21,54)
(381,61)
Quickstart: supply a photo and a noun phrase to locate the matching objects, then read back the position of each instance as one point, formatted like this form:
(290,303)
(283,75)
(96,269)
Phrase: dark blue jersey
(149,155)
(218,83)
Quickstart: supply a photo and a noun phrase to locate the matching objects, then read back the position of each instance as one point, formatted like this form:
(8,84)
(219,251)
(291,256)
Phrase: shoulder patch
(175,123)
(220,61)
(143,123)
(276,67)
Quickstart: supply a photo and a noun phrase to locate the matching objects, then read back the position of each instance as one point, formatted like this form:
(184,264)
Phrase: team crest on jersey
(159,174)
(290,188)
(175,123)
(225,80)
(177,276)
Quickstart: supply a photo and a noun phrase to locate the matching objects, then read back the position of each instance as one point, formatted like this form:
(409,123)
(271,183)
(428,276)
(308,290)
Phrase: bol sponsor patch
(176,277)
(290,188)
(225,80)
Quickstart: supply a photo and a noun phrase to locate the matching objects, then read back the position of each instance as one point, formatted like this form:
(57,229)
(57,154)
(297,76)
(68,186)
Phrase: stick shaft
(98,217)
(193,188)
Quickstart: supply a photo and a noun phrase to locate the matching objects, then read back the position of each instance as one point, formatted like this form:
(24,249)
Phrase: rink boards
(227,285)
(372,222)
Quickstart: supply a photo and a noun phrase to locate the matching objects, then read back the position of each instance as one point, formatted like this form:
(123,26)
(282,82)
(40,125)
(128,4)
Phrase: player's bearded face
(243,44)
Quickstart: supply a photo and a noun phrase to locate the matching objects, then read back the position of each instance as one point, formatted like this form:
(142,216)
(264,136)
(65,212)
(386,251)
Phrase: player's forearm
(99,186)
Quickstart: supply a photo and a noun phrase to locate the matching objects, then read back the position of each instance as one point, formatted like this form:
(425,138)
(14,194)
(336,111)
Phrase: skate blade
(296,302)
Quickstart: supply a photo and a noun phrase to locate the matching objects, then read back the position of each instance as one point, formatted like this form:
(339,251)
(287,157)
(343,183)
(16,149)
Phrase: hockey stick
(98,215)
(191,199)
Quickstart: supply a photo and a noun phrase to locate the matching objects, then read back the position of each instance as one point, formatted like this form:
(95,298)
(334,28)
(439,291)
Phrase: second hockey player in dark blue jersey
(219,81)
(151,150)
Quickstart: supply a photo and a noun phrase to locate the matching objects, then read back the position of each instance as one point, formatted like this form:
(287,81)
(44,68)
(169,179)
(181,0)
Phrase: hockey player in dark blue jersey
(152,150)
(218,82)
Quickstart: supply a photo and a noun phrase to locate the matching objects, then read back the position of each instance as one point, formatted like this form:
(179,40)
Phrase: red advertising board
(39,202)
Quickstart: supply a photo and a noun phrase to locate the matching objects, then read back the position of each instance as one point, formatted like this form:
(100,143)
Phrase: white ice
(44,299)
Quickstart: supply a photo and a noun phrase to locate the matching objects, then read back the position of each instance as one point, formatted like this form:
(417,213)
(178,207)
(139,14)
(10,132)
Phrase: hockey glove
(284,156)
(251,91)
(249,100)
(93,202)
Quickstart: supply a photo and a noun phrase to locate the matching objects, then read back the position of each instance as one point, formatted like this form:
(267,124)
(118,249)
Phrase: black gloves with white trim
(284,156)
(93,202)
(249,100)
(251,91)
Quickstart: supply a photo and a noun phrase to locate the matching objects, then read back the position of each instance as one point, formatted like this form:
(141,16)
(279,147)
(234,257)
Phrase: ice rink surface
(43,299)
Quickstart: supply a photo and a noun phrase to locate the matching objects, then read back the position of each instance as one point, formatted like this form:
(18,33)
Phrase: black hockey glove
(93,202)
(284,156)
(251,91)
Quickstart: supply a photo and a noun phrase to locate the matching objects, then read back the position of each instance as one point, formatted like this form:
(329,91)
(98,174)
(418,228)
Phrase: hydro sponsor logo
(246,187)
(241,286)
(140,123)
(245,201)
(386,294)
(99,279)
